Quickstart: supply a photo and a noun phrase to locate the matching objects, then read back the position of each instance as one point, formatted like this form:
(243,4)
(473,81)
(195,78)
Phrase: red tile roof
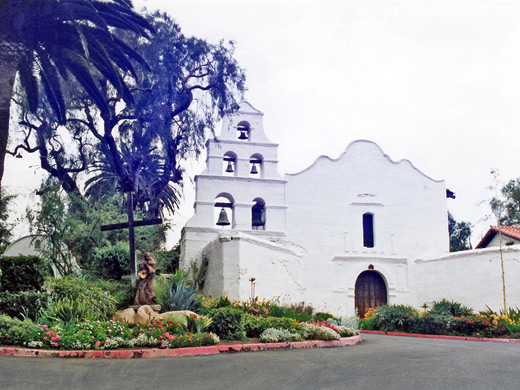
(509,231)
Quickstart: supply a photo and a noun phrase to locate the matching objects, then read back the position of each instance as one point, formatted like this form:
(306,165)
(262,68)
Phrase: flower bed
(444,318)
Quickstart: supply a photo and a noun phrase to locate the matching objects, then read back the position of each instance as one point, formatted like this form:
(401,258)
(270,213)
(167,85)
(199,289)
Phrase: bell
(223,219)
(229,168)
(254,171)
(242,135)
(19,155)
(256,218)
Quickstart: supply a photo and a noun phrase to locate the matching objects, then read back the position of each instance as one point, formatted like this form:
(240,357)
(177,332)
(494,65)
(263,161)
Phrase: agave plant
(181,297)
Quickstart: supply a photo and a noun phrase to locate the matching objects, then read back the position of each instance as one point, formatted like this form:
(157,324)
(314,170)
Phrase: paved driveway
(381,362)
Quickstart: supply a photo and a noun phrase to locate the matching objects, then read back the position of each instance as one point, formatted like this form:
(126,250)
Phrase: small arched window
(243,131)
(37,245)
(258,214)
(229,165)
(368,230)
(256,165)
(223,211)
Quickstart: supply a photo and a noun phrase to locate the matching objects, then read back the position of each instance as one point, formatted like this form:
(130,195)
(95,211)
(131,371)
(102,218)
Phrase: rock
(127,315)
(144,313)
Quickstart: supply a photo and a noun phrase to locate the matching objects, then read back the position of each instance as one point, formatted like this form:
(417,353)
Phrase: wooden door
(370,292)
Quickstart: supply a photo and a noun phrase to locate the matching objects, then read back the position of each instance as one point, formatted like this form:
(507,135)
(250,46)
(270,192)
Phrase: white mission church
(344,234)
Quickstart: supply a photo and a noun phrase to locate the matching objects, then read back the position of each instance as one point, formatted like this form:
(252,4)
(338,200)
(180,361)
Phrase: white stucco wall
(25,246)
(326,203)
(473,278)
(236,257)
(505,240)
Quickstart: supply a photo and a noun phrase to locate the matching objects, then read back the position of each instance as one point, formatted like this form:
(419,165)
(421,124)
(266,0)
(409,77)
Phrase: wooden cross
(131,235)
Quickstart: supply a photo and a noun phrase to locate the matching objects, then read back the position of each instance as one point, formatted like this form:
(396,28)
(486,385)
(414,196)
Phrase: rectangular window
(368,230)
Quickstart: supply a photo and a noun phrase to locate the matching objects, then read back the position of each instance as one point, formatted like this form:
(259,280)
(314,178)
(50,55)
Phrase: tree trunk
(7,77)
(10,55)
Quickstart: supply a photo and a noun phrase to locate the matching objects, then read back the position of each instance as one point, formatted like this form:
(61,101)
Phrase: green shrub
(316,332)
(366,323)
(445,307)
(345,331)
(228,323)
(68,310)
(223,302)
(430,324)
(272,335)
(321,316)
(255,325)
(475,326)
(22,273)
(23,304)
(394,317)
(167,261)
(112,261)
(99,302)
(16,332)
(120,291)
(280,311)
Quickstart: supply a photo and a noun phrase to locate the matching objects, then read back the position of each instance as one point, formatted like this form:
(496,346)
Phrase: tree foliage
(189,85)
(71,227)
(53,42)
(5,227)
(509,203)
(460,234)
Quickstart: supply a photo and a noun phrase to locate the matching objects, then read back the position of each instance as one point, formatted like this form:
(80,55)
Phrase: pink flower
(97,343)
(45,338)
(55,344)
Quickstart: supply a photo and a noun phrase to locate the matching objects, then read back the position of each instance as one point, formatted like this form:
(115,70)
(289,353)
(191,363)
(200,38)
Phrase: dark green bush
(430,324)
(22,273)
(15,332)
(99,302)
(255,325)
(394,317)
(111,262)
(121,291)
(475,326)
(279,311)
(445,307)
(228,323)
(28,304)
(322,316)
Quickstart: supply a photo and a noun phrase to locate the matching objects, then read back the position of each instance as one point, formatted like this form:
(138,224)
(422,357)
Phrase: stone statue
(144,294)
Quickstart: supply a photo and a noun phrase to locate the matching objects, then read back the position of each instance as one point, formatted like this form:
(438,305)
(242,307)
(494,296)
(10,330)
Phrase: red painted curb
(443,337)
(190,351)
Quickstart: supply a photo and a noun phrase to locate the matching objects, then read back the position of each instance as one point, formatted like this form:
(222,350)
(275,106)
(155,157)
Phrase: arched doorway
(370,292)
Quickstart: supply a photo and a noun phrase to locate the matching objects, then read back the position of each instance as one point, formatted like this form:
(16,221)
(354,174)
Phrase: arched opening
(368,230)
(243,131)
(229,164)
(256,165)
(258,214)
(370,292)
(223,212)
(37,245)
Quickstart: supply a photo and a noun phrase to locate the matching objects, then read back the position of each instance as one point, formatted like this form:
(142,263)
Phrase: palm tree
(50,41)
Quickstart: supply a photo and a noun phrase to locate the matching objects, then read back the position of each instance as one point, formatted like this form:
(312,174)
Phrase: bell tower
(240,189)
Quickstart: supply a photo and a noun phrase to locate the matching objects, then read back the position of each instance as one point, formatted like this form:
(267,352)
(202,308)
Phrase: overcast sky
(433,82)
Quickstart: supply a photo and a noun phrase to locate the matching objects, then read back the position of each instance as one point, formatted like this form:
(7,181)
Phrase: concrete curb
(443,337)
(191,351)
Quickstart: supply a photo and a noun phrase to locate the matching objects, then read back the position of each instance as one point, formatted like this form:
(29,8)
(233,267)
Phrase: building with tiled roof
(510,236)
